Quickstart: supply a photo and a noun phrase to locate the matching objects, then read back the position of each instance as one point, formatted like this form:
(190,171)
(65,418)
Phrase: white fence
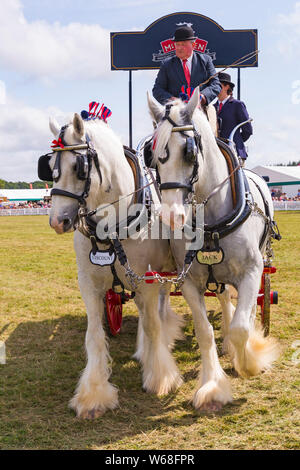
(278,206)
(35,211)
(286,205)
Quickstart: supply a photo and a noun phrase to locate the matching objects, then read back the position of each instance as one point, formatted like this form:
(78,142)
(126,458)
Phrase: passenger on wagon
(186,70)
(232,112)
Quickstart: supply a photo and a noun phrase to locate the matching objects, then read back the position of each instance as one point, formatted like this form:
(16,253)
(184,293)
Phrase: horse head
(176,147)
(69,168)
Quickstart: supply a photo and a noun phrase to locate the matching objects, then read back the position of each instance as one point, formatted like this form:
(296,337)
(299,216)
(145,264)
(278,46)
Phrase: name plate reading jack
(210,257)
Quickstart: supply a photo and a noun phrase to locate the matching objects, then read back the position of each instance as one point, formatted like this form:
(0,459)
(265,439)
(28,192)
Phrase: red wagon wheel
(266,303)
(266,298)
(113,310)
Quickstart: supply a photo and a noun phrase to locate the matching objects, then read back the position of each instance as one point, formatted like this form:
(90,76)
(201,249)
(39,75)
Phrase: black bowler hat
(226,78)
(184,33)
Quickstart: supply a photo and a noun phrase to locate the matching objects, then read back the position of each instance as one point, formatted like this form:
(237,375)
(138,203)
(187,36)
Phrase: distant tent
(287,178)
(23,195)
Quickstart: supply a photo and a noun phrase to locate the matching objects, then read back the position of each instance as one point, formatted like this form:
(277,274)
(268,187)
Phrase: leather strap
(174,185)
(61,192)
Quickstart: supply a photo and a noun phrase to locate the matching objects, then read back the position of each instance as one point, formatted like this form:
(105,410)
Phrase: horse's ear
(155,108)
(78,125)
(193,103)
(54,126)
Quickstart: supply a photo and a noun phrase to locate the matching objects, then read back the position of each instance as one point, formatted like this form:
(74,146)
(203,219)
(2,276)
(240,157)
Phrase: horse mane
(102,134)
(163,132)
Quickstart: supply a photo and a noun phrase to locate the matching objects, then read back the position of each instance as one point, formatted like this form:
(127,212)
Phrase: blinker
(190,153)
(44,170)
(46,174)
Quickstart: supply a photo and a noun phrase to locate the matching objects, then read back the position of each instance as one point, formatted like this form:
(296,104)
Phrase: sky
(55,59)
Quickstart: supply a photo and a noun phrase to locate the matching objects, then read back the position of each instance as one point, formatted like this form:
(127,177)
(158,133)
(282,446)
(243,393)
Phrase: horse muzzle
(62,224)
(172,209)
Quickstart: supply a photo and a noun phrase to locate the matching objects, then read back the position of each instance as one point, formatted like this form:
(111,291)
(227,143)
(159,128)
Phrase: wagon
(114,302)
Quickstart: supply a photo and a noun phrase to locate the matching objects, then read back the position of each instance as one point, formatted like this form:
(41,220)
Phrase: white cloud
(134,3)
(289,33)
(296,94)
(275,142)
(293,19)
(47,51)
(24,136)
(2,92)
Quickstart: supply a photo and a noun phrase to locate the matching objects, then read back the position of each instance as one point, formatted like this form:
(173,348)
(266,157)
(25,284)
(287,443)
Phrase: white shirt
(188,63)
(224,101)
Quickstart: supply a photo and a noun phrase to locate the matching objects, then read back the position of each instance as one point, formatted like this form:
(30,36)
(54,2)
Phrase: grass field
(43,323)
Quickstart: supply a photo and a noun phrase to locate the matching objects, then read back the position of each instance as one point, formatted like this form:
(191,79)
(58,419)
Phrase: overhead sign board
(140,50)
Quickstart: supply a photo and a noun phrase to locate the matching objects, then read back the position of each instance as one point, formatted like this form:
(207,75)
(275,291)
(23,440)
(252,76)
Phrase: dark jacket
(233,113)
(171,77)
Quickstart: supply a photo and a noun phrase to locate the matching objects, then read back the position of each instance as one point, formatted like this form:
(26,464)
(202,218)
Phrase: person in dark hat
(232,112)
(182,73)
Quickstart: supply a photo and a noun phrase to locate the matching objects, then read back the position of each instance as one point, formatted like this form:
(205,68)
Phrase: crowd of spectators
(25,205)
(276,196)
(279,196)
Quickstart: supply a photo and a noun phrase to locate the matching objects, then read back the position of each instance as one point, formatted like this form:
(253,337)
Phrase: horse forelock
(163,132)
(96,129)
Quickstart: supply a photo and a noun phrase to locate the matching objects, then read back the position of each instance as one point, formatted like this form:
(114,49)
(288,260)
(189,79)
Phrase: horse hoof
(91,414)
(211,407)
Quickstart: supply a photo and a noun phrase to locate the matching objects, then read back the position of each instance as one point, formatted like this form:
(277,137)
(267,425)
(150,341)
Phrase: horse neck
(117,176)
(212,172)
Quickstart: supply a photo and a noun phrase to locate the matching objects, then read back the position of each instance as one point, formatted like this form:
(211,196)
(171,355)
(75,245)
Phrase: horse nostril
(67,224)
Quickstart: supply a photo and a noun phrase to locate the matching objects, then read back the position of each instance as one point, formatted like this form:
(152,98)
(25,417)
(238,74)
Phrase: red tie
(186,72)
(220,107)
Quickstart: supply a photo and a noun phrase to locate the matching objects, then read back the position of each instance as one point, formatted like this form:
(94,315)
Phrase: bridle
(83,166)
(192,148)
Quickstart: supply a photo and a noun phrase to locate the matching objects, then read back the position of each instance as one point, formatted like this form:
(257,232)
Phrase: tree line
(289,164)
(23,185)
(41,184)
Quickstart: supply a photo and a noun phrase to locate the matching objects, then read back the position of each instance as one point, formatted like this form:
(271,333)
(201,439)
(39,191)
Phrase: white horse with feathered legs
(99,179)
(206,171)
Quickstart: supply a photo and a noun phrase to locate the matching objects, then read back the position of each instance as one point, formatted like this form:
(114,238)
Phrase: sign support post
(130,109)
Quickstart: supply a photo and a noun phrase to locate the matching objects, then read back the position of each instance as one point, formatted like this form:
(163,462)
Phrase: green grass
(43,323)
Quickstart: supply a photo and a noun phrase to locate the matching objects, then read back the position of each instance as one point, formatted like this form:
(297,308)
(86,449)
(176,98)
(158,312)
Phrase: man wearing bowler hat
(232,112)
(187,69)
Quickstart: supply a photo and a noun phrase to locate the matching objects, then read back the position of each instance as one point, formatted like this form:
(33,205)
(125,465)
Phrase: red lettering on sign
(168,45)
(200,45)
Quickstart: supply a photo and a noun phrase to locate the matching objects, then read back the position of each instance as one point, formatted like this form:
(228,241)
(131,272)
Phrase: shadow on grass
(44,361)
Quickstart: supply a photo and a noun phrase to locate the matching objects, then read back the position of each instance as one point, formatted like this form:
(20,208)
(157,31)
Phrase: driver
(187,69)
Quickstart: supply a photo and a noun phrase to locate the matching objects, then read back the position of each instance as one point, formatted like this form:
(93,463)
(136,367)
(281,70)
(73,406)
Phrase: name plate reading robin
(210,257)
(102,258)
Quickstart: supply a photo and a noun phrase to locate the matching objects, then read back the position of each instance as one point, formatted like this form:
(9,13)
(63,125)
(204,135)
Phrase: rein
(217,188)
(93,212)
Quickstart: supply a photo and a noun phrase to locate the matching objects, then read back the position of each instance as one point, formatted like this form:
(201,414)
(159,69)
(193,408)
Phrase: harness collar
(88,226)
(241,209)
